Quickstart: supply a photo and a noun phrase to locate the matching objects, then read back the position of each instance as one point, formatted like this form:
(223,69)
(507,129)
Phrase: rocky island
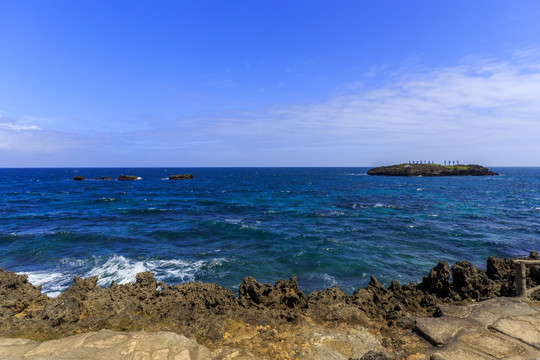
(431,170)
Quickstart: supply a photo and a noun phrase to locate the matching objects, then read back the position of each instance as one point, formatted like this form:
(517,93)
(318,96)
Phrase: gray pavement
(108,345)
(500,328)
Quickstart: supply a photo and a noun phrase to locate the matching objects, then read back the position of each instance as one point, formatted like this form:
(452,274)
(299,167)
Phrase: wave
(379,205)
(53,283)
(121,270)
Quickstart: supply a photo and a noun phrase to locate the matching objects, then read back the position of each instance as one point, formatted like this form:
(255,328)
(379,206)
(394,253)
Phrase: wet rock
(127,177)
(78,178)
(181,177)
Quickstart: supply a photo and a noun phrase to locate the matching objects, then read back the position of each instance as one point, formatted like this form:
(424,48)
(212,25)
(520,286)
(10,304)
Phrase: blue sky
(268,83)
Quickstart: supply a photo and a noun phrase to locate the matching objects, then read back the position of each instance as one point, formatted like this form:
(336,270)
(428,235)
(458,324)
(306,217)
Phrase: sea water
(327,226)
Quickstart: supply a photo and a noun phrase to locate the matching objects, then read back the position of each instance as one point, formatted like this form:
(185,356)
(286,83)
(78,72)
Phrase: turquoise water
(327,226)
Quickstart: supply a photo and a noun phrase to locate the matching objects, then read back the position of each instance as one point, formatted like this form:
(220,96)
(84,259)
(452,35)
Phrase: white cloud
(18,126)
(480,106)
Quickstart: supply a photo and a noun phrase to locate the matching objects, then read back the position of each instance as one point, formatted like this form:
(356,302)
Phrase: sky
(268,83)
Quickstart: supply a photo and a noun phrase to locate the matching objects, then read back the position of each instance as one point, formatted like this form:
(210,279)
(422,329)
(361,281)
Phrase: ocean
(327,226)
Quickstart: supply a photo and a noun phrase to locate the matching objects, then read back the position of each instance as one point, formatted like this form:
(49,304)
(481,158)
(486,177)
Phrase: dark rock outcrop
(471,283)
(431,170)
(181,177)
(104,178)
(78,178)
(127,177)
(438,280)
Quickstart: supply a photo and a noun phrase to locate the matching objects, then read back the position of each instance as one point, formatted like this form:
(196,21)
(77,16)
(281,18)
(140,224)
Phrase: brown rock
(438,280)
(127,177)
(181,177)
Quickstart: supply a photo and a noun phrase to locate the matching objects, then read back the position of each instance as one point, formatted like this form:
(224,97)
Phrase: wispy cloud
(18,126)
(479,110)
(481,106)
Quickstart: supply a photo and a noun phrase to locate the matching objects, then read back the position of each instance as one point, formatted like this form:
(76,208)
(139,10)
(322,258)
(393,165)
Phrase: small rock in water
(181,177)
(104,178)
(127,177)
(78,178)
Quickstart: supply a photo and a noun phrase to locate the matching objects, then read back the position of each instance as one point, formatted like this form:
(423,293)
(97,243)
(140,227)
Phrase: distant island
(431,170)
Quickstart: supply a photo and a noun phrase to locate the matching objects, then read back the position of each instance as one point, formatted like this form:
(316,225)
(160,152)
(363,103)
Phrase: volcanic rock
(438,280)
(214,315)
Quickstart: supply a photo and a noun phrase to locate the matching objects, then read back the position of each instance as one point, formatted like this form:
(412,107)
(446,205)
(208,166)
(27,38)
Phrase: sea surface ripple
(327,226)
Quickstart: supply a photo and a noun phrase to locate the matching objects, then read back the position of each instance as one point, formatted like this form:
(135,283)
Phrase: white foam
(233,221)
(328,280)
(333,213)
(176,268)
(117,268)
(51,282)
(121,270)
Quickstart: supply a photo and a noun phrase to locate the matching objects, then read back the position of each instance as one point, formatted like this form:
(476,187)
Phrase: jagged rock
(127,177)
(206,311)
(181,177)
(438,280)
(473,284)
(284,294)
(19,298)
(78,178)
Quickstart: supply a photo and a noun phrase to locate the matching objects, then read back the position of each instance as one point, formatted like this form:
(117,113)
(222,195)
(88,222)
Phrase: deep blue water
(325,225)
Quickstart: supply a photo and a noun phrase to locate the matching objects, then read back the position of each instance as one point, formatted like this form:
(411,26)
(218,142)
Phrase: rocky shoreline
(271,321)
